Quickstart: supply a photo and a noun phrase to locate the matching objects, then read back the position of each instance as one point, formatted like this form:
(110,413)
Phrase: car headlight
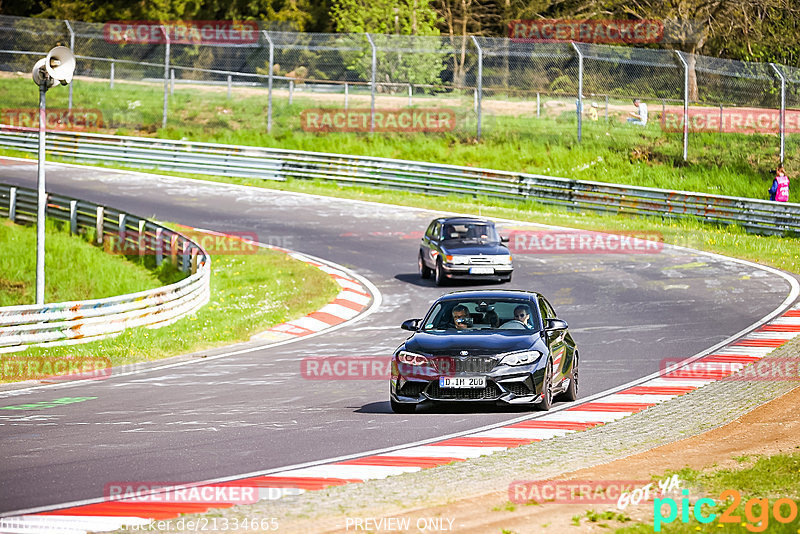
(411,358)
(524,357)
(456,259)
(502,259)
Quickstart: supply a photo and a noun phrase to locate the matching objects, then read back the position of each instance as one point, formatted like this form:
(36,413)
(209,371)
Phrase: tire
(547,388)
(571,393)
(439,276)
(505,279)
(424,270)
(399,407)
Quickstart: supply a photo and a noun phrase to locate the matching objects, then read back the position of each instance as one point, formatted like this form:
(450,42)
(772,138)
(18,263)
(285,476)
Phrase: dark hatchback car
(499,347)
(464,248)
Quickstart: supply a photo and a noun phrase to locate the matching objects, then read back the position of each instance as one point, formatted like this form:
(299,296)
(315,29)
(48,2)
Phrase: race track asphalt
(254,411)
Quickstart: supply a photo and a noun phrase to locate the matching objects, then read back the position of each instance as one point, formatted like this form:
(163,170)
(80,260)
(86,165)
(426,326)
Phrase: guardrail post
(12,204)
(158,246)
(173,249)
(346,94)
(372,82)
(229,86)
(479,88)
(185,256)
(122,233)
(71,47)
(685,104)
(99,225)
(269,80)
(111,75)
(291,91)
(410,94)
(782,124)
(73,217)
(194,260)
(579,103)
(171,82)
(141,238)
(166,76)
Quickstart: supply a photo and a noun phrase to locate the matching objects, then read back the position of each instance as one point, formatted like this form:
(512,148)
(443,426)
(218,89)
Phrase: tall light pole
(58,66)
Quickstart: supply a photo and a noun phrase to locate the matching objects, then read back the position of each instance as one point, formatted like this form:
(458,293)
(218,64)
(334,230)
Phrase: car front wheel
(547,389)
(399,407)
(439,276)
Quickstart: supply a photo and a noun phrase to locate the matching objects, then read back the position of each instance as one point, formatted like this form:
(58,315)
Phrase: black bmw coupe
(501,347)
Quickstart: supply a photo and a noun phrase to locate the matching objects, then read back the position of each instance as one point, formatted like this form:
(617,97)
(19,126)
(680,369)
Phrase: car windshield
(507,315)
(470,232)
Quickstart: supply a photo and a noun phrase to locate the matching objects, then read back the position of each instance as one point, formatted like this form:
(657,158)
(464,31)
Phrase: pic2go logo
(783,510)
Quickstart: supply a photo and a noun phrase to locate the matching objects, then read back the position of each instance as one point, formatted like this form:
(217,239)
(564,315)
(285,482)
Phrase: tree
(397,27)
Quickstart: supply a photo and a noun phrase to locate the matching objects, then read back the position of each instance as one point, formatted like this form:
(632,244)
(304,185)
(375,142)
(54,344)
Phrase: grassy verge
(610,151)
(68,260)
(249,293)
(764,479)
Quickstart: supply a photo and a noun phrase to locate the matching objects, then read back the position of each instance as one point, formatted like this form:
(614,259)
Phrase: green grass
(728,164)
(74,269)
(770,477)
(249,293)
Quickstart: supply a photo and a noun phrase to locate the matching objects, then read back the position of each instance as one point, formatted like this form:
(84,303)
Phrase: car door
(426,244)
(556,343)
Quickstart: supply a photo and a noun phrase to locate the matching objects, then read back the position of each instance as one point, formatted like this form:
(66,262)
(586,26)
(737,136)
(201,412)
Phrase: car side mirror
(551,325)
(411,324)
(504,239)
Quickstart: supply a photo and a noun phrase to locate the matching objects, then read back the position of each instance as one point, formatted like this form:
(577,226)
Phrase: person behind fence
(638,117)
(780,186)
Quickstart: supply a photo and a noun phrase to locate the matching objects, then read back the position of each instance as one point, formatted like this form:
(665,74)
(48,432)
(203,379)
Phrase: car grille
(480,260)
(518,388)
(448,365)
(412,389)
(490,392)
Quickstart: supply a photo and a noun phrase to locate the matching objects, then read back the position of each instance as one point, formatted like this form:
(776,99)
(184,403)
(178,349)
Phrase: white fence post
(685,104)
(372,82)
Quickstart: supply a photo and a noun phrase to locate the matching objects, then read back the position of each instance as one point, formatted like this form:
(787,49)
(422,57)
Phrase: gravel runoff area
(694,413)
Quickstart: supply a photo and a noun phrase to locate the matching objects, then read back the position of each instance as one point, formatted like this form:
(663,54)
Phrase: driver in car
(523,315)
(461,317)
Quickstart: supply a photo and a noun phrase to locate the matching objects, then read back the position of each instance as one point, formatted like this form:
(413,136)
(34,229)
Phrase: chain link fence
(134,80)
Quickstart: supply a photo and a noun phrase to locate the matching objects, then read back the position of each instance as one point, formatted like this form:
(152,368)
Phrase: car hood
(474,248)
(476,344)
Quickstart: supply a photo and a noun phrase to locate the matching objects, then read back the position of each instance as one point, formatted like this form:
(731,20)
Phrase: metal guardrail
(759,216)
(88,320)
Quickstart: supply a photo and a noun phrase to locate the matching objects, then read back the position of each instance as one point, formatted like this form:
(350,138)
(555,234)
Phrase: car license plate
(462,382)
(481,270)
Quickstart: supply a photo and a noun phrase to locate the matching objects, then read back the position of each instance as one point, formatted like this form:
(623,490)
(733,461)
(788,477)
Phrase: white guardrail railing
(429,178)
(88,320)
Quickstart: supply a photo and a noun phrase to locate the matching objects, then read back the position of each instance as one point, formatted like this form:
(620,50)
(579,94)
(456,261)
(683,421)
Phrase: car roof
(489,294)
(464,219)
